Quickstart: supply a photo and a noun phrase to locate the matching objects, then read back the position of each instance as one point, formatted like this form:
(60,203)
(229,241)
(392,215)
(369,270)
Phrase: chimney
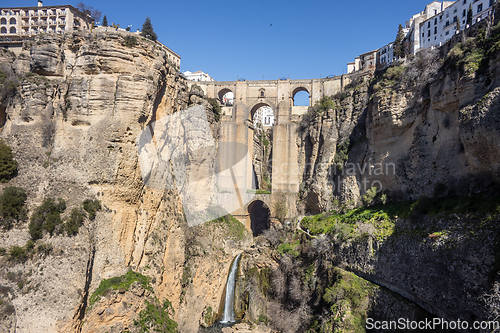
(40,3)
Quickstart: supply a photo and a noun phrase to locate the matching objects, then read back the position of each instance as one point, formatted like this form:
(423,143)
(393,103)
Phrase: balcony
(25,24)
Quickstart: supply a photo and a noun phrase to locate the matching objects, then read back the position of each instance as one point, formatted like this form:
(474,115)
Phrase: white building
(437,30)
(265,116)
(385,56)
(197,76)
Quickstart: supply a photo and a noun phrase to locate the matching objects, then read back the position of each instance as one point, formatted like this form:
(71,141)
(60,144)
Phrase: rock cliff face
(418,126)
(72,120)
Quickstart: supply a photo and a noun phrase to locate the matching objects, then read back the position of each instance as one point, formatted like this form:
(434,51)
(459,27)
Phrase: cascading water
(228,316)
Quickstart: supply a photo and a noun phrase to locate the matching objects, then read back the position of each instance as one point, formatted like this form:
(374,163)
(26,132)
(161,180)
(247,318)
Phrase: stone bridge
(237,126)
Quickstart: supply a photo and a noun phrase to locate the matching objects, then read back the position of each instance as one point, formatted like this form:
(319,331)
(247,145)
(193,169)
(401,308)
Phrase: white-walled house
(265,116)
(385,56)
(438,29)
(197,76)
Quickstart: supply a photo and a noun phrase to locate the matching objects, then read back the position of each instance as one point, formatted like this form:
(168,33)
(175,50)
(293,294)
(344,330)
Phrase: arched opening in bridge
(226,97)
(301,97)
(259,217)
(260,145)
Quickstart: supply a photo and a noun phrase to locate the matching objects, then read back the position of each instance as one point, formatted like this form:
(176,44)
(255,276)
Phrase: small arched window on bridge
(262,92)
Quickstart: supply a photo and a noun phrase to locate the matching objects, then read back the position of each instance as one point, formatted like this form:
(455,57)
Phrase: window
(12,21)
(4,30)
(3,20)
(440,17)
(435,30)
(423,34)
(480,8)
(429,24)
(455,19)
(491,3)
(447,33)
(464,13)
(465,1)
(455,11)
(447,24)
(435,11)
(435,21)
(428,33)
(12,30)
(447,15)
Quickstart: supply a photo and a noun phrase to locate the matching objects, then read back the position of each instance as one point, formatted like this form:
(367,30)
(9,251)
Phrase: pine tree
(147,30)
(104,21)
(469,15)
(398,43)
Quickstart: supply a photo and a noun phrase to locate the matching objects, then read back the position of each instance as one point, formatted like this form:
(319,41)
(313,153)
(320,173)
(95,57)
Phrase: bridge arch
(257,105)
(260,217)
(228,94)
(301,92)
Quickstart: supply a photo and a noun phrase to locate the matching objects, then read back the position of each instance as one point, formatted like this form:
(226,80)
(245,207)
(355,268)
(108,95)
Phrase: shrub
(75,222)
(47,216)
(119,282)
(12,207)
(215,107)
(156,317)
(92,206)
(342,153)
(369,197)
(130,41)
(18,253)
(8,166)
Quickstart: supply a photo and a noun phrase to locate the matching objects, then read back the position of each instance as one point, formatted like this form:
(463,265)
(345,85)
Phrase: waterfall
(230,286)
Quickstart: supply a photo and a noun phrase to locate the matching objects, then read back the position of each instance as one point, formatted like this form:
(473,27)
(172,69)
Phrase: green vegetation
(46,217)
(8,86)
(12,207)
(263,276)
(75,221)
(388,78)
(209,316)
(147,30)
(369,197)
(474,55)
(348,300)
(8,166)
(382,217)
(235,227)
(22,254)
(119,283)
(281,209)
(342,153)
(92,206)
(399,51)
(104,21)
(215,108)
(325,103)
(290,248)
(130,41)
(156,317)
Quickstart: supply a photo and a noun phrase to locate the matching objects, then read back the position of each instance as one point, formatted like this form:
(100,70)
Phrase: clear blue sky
(255,39)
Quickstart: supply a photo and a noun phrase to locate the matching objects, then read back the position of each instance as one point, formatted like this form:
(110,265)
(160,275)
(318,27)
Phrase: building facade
(432,27)
(438,29)
(28,21)
(197,76)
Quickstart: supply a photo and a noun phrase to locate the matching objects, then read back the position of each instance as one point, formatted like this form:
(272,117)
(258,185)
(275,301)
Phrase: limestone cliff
(72,118)
(430,122)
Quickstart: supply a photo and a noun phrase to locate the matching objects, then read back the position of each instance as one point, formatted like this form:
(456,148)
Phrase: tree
(147,30)
(93,13)
(398,43)
(104,21)
(8,166)
(469,16)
